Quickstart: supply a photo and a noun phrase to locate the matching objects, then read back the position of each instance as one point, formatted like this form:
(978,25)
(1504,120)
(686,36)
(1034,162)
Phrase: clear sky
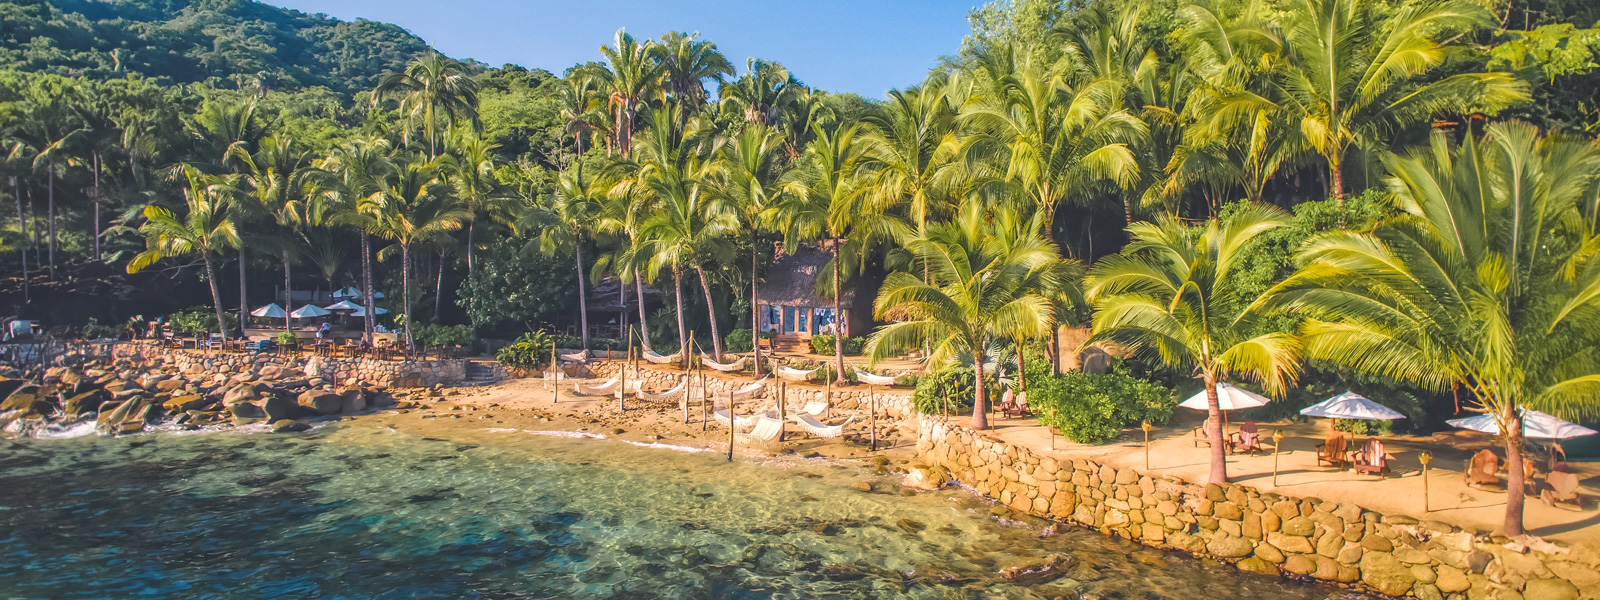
(861,46)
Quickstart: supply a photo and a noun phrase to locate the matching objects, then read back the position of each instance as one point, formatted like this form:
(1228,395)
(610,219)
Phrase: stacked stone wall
(1265,533)
(338,371)
(892,403)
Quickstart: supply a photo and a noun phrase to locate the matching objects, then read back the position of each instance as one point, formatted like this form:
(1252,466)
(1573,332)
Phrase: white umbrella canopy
(272,311)
(352,292)
(308,311)
(1228,398)
(343,305)
(1351,405)
(361,312)
(1535,425)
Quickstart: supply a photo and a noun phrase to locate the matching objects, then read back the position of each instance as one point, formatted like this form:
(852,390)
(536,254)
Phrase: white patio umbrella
(1228,398)
(361,312)
(308,311)
(271,311)
(1535,424)
(1351,405)
(343,305)
(352,292)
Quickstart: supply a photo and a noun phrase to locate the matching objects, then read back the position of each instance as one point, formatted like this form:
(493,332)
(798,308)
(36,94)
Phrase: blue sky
(861,46)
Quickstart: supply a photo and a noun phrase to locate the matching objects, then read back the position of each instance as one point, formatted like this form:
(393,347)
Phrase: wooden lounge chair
(1333,452)
(1009,406)
(1201,437)
(1372,459)
(1246,440)
(1561,485)
(1482,469)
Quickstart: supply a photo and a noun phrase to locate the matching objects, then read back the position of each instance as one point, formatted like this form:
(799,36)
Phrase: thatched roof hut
(792,280)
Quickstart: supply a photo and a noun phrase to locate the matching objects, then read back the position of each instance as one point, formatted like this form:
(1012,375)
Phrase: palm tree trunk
(838,318)
(438,289)
(980,396)
(711,314)
(288,298)
(97,206)
(644,330)
(244,310)
(1337,184)
(1127,209)
(1516,477)
(405,288)
(1219,449)
(683,332)
(52,214)
(755,313)
(583,302)
(366,284)
(216,296)
(472,227)
(22,221)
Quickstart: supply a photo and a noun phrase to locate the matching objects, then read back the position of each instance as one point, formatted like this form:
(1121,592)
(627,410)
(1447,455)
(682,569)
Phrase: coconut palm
(1169,295)
(205,228)
(470,169)
(582,112)
(686,227)
(275,178)
(751,183)
(1353,71)
(352,173)
(630,76)
(686,63)
(622,209)
(990,275)
(434,92)
(915,148)
(409,207)
(1489,279)
(764,94)
(564,220)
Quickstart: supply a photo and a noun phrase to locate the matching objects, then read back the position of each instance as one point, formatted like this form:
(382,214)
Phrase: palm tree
(751,182)
(431,89)
(630,76)
(686,226)
(1168,294)
(205,229)
(988,283)
(582,114)
(686,63)
(352,173)
(407,209)
(915,147)
(276,176)
(764,94)
(1488,280)
(564,220)
(470,168)
(835,201)
(1351,76)
(622,209)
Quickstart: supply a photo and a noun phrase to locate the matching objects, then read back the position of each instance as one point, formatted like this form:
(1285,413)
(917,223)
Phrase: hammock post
(705,398)
(872,407)
(732,425)
(782,396)
(555,377)
(622,394)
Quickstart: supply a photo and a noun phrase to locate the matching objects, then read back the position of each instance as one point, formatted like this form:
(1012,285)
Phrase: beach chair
(822,430)
(1372,459)
(1333,451)
(1009,406)
(1561,485)
(1482,469)
(1246,440)
(1202,437)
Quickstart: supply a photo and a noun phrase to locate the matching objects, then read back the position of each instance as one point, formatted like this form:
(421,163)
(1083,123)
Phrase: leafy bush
(530,352)
(952,383)
(287,338)
(595,343)
(196,321)
(823,344)
(93,330)
(1092,408)
(738,340)
(444,335)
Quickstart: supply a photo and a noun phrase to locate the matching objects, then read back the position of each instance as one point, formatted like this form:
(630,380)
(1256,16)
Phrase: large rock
(278,407)
(28,400)
(1550,589)
(246,410)
(924,478)
(86,402)
(289,426)
(169,385)
(186,402)
(352,401)
(239,393)
(321,402)
(1387,574)
(1227,546)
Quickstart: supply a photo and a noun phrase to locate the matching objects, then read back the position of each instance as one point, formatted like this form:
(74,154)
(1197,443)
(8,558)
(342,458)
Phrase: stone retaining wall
(1264,532)
(339,371)
(891,403)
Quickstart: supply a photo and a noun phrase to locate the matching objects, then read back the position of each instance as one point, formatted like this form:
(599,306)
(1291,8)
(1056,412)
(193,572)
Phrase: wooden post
(1277,441)
(1146,427)
(783,398)
(733,425)
(705,398)
(872,408)
(1425,458)
(627,356)
(555,381)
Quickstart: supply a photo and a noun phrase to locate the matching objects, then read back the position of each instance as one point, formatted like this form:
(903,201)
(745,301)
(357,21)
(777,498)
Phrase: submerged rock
(321,402)
(1052,568)
(289,426)
(926,478)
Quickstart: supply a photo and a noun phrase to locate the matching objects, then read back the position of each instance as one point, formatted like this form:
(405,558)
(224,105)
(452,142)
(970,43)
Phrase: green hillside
(200,40)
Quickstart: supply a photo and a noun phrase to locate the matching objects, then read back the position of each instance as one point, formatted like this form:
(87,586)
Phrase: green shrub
(1093,408)
(444,335)
(93,330)
(287,338)
(738,340)
(823,344)
(531,352)
(952,383)
(198,320)
(595,343)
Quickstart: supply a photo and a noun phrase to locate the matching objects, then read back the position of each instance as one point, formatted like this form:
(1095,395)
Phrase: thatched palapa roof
(792,280)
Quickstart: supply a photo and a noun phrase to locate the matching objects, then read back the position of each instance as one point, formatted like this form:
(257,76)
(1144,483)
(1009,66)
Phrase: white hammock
(734,366)
(815,408)
(581,356)
(659,359)
(793,374)
(766,429)
(820,429)
(870,379)
(610,386)
(664,396)
(750,391)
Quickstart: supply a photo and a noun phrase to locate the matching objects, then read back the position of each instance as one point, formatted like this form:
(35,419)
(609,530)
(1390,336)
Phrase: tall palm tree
(1488,280)
(631,75)
(834,201)
(988,283)
(687,227)
(764,94)
(686,63)
(408,209)
(582,110)
(622,209)
(1169,294)
(470,169)
(751,182)
(276,178)
(1352,75)
(434,92)
(915,149)
(352,173)
(205,228)
(564,220)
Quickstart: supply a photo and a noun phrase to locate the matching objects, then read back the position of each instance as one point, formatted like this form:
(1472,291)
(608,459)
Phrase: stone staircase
(481,372)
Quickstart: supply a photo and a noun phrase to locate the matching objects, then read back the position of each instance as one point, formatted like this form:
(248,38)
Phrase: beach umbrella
(308,311)
(1228,398)
(1535,424)
(362,312)
(1351,405)
(343,305)
(349,292)
(271,311)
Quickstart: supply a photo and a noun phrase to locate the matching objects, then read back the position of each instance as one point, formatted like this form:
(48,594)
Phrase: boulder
(321,402)
(924,478)
(239,393)
(1052,568)
(289,426)
(352,401)
(1385,573)
(1227,546)
(278,407)
(27,400)
(86,402)
(246,410)
(1550,589)
(169,385)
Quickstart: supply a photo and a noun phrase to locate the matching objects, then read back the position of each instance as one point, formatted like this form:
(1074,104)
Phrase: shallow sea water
(356,511)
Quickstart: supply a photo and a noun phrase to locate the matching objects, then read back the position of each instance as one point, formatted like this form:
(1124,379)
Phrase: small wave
(566,434)
(502,430)
(673,447)
(55,432)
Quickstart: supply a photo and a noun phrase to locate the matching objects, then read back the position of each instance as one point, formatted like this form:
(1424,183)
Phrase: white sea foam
(675,448)
(566,434)
(55,432)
